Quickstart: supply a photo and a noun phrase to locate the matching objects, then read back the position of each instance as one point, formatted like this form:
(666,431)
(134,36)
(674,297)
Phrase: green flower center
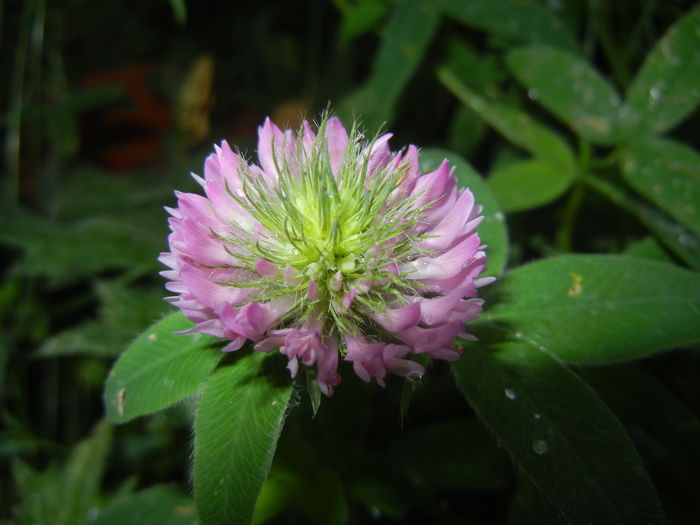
(342,232)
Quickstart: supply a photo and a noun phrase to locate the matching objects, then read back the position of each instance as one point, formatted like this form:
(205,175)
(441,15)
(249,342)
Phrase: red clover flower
(331,247)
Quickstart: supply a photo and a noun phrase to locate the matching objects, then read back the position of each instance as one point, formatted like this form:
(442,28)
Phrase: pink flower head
(330,246)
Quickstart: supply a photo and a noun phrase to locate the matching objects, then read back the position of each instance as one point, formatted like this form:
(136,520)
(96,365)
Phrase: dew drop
(533,94)
(153,337)
(499,216)
(537,416)
(540,447)
(510,394)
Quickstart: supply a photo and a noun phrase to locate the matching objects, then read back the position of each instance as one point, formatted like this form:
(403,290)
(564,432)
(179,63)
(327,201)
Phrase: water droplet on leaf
(510,394)
(540,447)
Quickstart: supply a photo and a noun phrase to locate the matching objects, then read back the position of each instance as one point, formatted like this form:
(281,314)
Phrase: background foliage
(578,405)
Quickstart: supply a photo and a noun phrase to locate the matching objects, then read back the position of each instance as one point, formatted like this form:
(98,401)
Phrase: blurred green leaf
(316,494)
(454,454)
(684,243)
(598,308)
(518,21)
(63,496)
(275,495)
(666,89)
(528,184)
(179,9)
(388,487)
(157,505)
(560,433)
(667,173)
(159,369)
(518,127)
(481,71)
(646,405)
(359,17)
(570,88)
(408,34)
(237,425)
(492,230)
(530,507)
(70,251)
(87,191)
(648,248)
(300,483)
(124,311)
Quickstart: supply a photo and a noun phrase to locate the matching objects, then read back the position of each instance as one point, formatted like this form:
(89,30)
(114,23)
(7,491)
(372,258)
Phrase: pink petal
(327,376)
(337,140)
(380,154)
(428,339)
(347,298)
(443,266)
(270,138)
(203,286)
(401,367)
(312,291)
(266,268)
(452,226)
(399,319)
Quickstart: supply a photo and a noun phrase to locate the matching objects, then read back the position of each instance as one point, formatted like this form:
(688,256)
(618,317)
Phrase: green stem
(684,243)
(610,48)
(565,233)
(14,113)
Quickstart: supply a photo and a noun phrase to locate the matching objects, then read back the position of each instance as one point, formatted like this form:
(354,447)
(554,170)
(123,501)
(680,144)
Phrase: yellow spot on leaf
(576,286)
(153,337)
(121,400)
(184,510)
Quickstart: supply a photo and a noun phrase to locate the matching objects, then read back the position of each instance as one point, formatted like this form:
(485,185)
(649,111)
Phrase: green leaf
(66,252)
(647,407)
(668,174)
(514,20)
(680,240)
(530,507)
(492,231)
(570,88)
(124,311)
(237,425)
(159,369)
(466,458)
(597,308)
(560,433)
(179,11)
(359,17)
(406,40)
(157,505)
(315,494)
(666,89)
(300,481)
(63,496)
(518,127)
(648,248)
(528,184)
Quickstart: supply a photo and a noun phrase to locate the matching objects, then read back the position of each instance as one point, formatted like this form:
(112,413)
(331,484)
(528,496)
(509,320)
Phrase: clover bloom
(331,247)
